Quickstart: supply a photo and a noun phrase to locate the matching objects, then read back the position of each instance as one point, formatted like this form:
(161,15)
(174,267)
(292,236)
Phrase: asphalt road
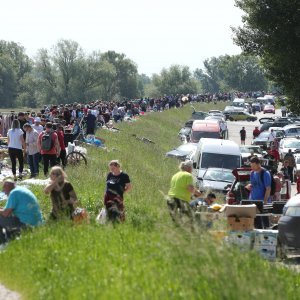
(234,127)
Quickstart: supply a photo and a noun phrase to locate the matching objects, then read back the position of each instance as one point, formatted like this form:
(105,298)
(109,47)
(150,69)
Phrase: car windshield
(291,144)
(264,135)
(197,135)
(216,160)
(238,104)
(250,149)
(219,175)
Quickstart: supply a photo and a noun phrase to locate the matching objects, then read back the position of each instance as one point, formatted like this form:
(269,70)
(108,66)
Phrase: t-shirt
(14,138)
(179,184)
(54,139)
(243,134)
(115,184)
(25,206)
(258,185)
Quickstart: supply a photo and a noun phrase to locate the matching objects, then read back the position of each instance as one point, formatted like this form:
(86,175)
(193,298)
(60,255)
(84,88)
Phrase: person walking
(48,146)
(16,145)
(117,183)
(33,153)
(243,135)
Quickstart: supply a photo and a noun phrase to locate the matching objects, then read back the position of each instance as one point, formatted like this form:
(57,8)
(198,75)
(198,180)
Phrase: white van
(238,104)
(216,153)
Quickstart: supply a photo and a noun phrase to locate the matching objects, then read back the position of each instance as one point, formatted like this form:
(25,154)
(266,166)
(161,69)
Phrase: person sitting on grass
(21,209)
(63,196)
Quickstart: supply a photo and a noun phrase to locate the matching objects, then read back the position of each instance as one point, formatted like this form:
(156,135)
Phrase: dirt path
(6,294)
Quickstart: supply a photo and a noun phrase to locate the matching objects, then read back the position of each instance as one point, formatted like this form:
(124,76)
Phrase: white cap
(37,119)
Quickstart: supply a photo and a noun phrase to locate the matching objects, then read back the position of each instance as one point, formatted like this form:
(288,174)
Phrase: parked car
(220,118)
(237,191)
(249,150)
(241,116)
(262,139)
(288,227)
(291,130)
(286,144)
(199,115)
(269,108)
(215,111)
(257,106)
(216,153)
(205,129)
(183,151)
(276,123)
(216,179)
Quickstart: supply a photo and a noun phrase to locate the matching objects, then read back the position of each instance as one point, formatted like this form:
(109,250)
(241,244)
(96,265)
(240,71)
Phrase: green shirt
(179,186)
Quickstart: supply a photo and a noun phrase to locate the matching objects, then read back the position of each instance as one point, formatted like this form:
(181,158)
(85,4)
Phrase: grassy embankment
(145,258)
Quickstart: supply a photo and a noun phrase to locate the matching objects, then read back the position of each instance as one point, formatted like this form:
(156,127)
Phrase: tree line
(66,74)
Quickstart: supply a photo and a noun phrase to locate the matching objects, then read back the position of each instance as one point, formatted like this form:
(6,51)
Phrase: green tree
(126,80)
(271,30)
(14,66)
(237,72)
(8,82)
(175,80)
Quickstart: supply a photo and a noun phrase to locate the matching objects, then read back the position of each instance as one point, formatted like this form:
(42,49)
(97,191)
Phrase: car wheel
(231,119)
(248,119)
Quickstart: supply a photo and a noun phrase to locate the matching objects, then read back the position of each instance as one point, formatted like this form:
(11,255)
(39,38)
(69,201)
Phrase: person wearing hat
(182,189)
(21,209)
(37,125)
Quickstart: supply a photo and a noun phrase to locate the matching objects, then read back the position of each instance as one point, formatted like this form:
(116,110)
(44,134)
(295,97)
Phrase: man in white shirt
(272,136)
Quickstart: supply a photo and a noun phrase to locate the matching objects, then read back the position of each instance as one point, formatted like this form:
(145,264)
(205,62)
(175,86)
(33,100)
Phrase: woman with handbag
(63,196)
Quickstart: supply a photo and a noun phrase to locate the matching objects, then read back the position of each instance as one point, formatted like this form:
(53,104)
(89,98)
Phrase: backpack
(47,143)
(273,182)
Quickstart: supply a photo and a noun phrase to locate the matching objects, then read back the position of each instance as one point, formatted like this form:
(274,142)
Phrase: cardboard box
(244,240)
(240,224)
(266,252)
(265,237)
(247,211)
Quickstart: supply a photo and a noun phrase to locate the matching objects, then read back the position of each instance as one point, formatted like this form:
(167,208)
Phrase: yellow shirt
(179,186)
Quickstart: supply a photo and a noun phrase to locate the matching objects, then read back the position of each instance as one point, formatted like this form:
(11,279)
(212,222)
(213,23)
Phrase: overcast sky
(154,33)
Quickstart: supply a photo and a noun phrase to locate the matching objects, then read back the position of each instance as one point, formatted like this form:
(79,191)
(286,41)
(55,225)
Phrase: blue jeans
(33,161)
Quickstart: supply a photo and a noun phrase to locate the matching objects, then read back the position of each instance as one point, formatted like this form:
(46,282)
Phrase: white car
(286,144)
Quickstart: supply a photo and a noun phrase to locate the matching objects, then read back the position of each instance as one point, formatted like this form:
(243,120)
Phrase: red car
(269,108)
(237,191)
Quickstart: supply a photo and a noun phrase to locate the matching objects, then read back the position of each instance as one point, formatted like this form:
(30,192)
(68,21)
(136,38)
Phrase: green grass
(145,258)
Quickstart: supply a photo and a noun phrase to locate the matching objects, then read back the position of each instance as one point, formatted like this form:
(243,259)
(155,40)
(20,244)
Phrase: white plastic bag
(102,217)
